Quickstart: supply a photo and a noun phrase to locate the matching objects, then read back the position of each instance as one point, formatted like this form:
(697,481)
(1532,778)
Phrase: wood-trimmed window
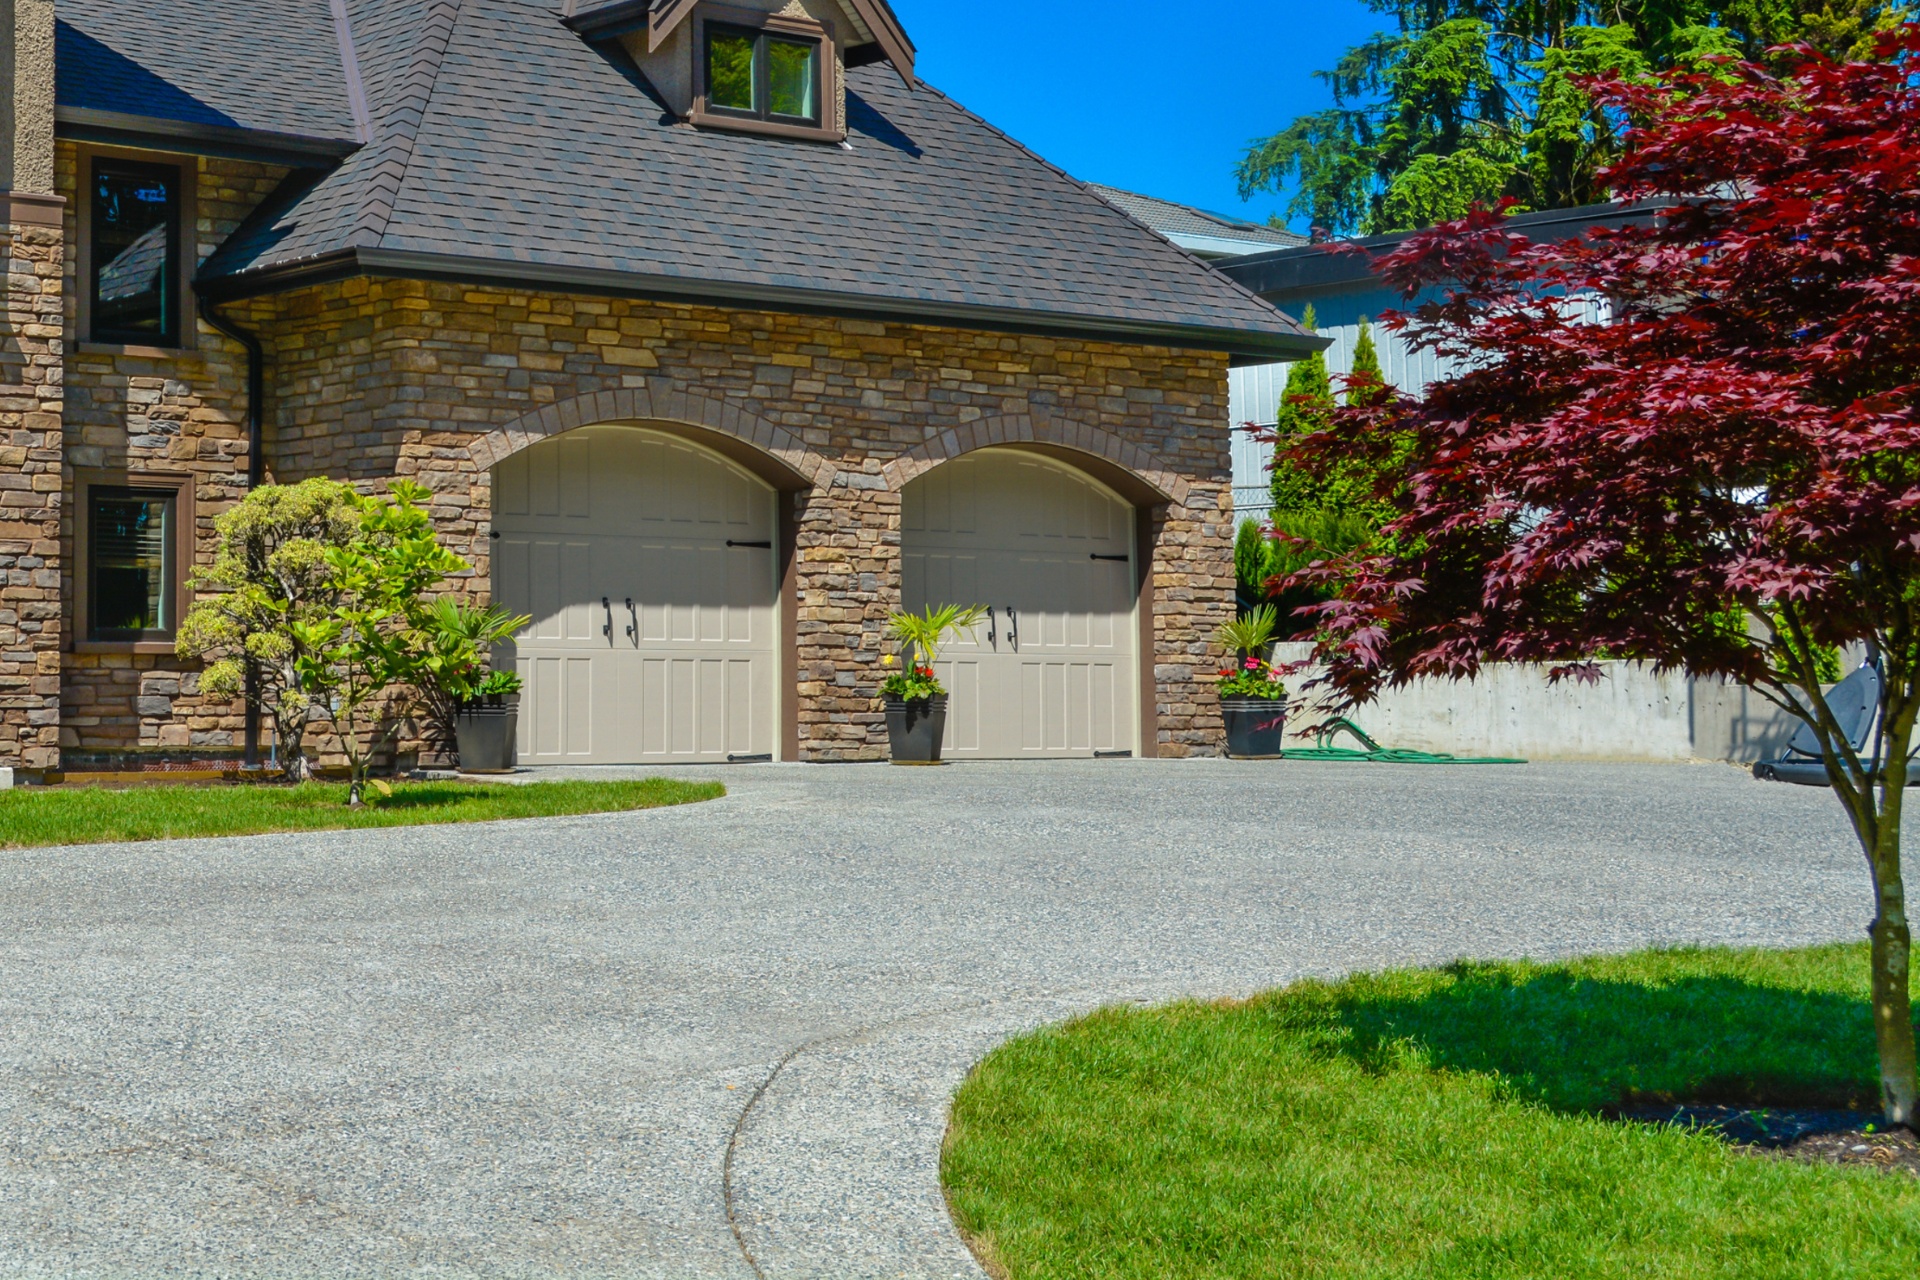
(134,276)
(133,547)
(116,285)
(765,73)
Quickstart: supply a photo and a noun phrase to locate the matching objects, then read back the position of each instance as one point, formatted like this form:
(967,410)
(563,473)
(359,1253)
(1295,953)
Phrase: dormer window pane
(730,71)
(792,74)
(761,76)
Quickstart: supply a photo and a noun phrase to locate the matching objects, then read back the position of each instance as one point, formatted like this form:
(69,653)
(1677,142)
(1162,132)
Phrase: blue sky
(1155,97)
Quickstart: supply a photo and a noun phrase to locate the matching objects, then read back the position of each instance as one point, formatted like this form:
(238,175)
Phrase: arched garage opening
(1054,672)
(650,566)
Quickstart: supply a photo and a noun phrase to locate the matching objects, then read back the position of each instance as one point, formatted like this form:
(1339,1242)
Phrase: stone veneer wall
(368,379)
(30,496)
(373,378)
(178,412)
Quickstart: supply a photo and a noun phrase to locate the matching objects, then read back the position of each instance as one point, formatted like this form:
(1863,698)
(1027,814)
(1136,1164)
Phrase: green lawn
(32,816)
(1435,1124)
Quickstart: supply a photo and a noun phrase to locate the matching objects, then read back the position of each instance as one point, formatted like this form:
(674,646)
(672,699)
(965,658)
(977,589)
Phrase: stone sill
(124,646)
(127,349)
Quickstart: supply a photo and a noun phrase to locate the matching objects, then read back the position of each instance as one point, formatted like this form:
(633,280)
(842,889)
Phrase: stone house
(715,333)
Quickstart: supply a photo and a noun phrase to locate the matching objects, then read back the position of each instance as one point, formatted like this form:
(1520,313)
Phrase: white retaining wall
(1632,714)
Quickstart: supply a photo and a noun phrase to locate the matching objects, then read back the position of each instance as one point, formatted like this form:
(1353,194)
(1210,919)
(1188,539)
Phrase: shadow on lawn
(1583,1044)
(433,796)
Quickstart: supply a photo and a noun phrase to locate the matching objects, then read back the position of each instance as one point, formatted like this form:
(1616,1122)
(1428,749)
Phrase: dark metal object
(607,630)
(759,546)
(1256,727)
(993,631)
(915,729)
(633,625)
(256,471)
(1113,755)
(484,735)
(763,758)
(1013,628)
(1115,559)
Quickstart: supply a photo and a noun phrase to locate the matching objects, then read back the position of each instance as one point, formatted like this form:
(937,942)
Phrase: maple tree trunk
(1892,998)
(1891,933)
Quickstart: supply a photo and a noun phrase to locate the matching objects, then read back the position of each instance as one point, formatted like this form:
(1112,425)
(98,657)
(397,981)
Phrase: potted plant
(1253,701)
(467,705)
(916,701)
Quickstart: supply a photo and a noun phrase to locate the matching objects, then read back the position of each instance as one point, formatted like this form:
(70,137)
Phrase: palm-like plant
(452,644)
(1248,636)
(924,633)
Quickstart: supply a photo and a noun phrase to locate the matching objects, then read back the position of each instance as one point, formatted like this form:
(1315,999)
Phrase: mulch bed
(1818,1137)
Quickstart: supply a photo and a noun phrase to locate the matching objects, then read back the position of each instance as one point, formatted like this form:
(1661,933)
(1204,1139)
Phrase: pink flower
(1253,664)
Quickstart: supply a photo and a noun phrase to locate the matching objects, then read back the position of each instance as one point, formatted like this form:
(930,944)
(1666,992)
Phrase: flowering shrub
(911,683)
(1253,678)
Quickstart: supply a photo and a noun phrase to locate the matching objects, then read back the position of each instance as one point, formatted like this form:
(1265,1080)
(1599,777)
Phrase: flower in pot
(916,701)
(1253,701)
(468,707)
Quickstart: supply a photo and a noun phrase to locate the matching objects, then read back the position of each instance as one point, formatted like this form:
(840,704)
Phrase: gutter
(115,128)
(1245,346)
(256,467)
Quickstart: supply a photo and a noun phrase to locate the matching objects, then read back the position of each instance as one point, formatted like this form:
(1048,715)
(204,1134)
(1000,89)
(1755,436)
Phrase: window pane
(791,72)
(133,252)
(730,71)
(127,537)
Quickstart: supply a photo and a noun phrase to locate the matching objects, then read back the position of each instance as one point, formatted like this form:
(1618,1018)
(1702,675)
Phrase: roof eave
(115,128)
(1240,345)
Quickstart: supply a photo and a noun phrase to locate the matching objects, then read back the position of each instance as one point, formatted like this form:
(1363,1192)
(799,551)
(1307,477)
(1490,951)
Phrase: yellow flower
(889,661)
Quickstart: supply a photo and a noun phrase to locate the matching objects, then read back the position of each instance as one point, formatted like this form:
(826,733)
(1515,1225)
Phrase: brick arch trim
(661,400)
(1164,480)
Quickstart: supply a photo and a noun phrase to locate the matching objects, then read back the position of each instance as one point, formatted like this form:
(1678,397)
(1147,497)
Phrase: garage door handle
(1013,628)
(607,630)
(633,626)
(993,631)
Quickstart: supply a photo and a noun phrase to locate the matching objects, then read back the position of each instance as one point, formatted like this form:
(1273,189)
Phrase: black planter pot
(484,735)
(1256,727)
(914,729)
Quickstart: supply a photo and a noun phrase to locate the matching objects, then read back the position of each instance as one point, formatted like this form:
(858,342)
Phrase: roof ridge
(1106,205)
(397,124)
(350,69)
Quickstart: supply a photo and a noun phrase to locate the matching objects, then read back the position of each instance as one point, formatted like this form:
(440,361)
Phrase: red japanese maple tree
(1724,478)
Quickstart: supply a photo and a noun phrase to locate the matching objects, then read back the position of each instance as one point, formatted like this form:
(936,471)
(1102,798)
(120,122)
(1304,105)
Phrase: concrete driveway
(719,1041)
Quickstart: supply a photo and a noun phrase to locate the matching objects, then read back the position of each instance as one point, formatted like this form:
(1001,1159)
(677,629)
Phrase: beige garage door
(1052,674)
(647,566)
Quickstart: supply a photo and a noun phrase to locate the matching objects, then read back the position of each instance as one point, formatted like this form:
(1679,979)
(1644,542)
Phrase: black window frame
(174,282)
(169,496)
(762,74)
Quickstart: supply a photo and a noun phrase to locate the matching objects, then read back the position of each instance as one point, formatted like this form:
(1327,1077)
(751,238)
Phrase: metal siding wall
(1257,391)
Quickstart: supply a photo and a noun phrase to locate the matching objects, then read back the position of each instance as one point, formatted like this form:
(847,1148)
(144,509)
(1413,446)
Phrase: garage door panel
(646,518)
(1066,687)
(962,680)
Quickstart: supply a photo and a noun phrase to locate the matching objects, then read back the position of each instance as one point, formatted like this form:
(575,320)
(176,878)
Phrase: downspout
(256,472)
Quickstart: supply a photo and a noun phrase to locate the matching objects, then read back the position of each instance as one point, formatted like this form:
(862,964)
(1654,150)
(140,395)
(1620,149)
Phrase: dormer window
(762,75)
(774,73)
(773,67)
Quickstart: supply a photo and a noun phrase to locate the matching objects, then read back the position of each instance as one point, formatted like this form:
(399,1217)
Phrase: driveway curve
(719,1041)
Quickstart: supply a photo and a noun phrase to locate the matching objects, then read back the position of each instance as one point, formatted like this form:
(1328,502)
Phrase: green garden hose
(1372,752)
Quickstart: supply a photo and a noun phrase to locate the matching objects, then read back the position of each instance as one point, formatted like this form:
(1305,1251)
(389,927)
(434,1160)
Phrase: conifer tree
(1306,407)
(1365,381)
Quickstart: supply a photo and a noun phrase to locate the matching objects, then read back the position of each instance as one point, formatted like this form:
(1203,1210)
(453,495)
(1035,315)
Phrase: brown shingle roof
(507,147)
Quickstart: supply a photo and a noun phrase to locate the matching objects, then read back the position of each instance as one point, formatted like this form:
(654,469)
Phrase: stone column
(31,356)
(849,585)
